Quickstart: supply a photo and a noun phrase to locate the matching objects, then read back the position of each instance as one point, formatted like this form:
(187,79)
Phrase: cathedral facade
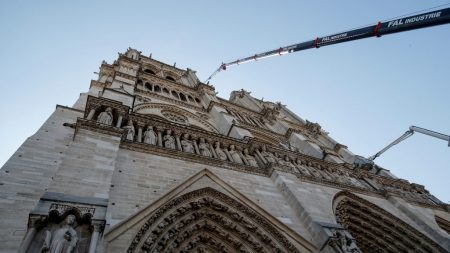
(151,160)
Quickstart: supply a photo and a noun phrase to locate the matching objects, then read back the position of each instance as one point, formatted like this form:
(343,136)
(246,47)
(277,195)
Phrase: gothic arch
(157,108)
(207,220)
(376,230)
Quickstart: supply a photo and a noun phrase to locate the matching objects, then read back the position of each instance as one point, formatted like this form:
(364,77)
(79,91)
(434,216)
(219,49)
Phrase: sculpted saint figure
(186,144)
(235,155)
(270,158)
(204,148)
(250,159)
(220,154)
(150,136)
(105,117)
(169,140)
(129,130)
(63,239)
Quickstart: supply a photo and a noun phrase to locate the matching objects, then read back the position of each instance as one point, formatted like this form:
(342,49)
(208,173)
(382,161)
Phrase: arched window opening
(191,99)
(174,94)
(139,82)
(148,86)
(157,88)
(182,97)
(149,71)
(197,100)
(166,91)
(170,78)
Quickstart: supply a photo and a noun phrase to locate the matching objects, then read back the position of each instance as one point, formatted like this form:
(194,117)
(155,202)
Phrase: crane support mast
(433,18)
(410,132)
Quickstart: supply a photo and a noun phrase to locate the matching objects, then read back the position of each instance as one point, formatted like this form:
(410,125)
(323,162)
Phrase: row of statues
(232,153)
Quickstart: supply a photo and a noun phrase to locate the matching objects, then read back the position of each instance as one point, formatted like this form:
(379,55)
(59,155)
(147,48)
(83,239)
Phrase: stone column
(94,237)
(177,137)
(194,141)
(91,114)
(260,156)
(160,143)
(119,121)
(211,147)
(29,235)
(139,137)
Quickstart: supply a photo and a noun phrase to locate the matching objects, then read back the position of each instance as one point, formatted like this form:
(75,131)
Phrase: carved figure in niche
(62,240)
(250,159)
(235,155)
(169,140)
(150,136)
(105,117)
(220,154)
(186,144)
(129,130)
(204,148)
(270,158)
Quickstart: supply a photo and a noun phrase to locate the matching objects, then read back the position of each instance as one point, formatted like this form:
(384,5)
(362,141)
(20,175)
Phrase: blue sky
(365,93)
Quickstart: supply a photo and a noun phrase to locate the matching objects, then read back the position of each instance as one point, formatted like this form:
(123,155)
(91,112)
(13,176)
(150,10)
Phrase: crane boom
(410,132)
(433,18)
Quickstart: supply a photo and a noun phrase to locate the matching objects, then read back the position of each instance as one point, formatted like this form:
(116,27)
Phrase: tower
(151,160)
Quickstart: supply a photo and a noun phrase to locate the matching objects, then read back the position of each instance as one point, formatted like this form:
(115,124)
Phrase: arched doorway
(207,220)
(376,230)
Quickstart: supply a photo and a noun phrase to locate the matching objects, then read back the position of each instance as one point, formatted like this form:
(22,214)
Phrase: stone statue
(250,159)
(270,158)
(63,239)
(204,148)
(129,130)
(186,144)
(235,155)
(220,154)
(169,140)
(150,136)
(105,117)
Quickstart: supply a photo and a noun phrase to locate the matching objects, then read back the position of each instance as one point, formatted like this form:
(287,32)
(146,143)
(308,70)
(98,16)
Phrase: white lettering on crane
(334,37)
(402,21)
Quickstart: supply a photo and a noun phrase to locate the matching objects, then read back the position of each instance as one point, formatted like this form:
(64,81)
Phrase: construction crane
(409,133)
(433,18)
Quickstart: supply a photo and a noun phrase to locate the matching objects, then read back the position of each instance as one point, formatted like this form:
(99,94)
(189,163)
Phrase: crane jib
(398,25)
(433,18)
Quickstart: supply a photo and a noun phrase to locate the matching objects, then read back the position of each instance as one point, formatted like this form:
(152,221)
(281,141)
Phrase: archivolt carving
(376,230)
(208,220)
(204,123)
(443,223)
